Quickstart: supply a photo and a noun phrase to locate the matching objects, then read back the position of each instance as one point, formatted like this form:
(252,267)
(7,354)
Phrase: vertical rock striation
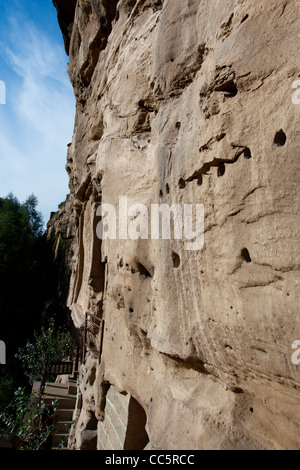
(187,103)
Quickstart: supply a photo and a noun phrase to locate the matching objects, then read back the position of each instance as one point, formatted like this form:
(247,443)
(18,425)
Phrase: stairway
(66,395)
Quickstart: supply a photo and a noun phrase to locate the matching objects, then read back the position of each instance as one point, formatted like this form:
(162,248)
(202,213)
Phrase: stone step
(53,389)
(65,395)
(67,403)
(62,414)
(63,426)
(72,389)
(57,389)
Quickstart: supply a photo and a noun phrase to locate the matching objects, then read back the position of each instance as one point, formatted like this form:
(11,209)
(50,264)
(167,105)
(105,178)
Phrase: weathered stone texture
(190,102)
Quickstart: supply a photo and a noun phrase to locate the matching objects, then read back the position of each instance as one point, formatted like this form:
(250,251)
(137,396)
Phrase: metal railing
(95,326)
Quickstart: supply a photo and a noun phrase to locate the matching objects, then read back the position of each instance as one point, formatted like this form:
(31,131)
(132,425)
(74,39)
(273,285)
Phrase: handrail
(89,326)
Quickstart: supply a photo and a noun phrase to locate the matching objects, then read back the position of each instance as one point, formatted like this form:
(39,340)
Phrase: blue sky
(37,119)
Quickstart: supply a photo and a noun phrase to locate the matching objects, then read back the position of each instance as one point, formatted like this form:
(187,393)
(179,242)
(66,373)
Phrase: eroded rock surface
(188,102)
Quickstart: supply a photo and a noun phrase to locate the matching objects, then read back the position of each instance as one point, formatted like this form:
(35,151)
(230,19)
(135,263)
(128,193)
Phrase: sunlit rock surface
(187,103)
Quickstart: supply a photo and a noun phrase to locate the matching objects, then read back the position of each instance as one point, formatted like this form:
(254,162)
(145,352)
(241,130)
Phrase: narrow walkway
(66,395)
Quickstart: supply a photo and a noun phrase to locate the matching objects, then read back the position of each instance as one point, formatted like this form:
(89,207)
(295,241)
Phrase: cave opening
(136,434)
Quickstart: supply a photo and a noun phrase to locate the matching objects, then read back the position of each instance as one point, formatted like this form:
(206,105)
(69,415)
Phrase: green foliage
(54,343)
(20,225)
(32,218)
(7,386)
(28,282)
(31,318)
(24,280)
(30,419)
(20,263)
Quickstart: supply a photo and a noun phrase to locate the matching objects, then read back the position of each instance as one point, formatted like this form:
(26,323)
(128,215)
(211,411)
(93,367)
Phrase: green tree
(32,218)
(30,419)
(32,316)
(51,342)
(25,278)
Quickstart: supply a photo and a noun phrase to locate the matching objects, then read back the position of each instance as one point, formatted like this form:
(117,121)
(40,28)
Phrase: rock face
(187,103)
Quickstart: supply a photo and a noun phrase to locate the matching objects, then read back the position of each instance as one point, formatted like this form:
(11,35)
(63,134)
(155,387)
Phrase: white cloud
(36,124)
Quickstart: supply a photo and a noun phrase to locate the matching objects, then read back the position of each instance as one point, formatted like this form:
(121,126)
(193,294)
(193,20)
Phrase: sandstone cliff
(186,102)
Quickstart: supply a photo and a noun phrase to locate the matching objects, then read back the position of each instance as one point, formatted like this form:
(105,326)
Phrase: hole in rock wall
(143,271)
(247,153)
(246,255)
(229,89)
(280,138)
(221,169)
(176,260)
(182,183)
(92,422)
(245,18)
(142,104)
(92,376)
(136,434)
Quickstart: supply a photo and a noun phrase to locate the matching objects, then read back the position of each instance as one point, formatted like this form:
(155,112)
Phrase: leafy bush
(51,342)
(30,419)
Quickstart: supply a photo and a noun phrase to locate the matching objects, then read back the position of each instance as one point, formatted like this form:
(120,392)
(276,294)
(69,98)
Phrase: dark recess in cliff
(65,14)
